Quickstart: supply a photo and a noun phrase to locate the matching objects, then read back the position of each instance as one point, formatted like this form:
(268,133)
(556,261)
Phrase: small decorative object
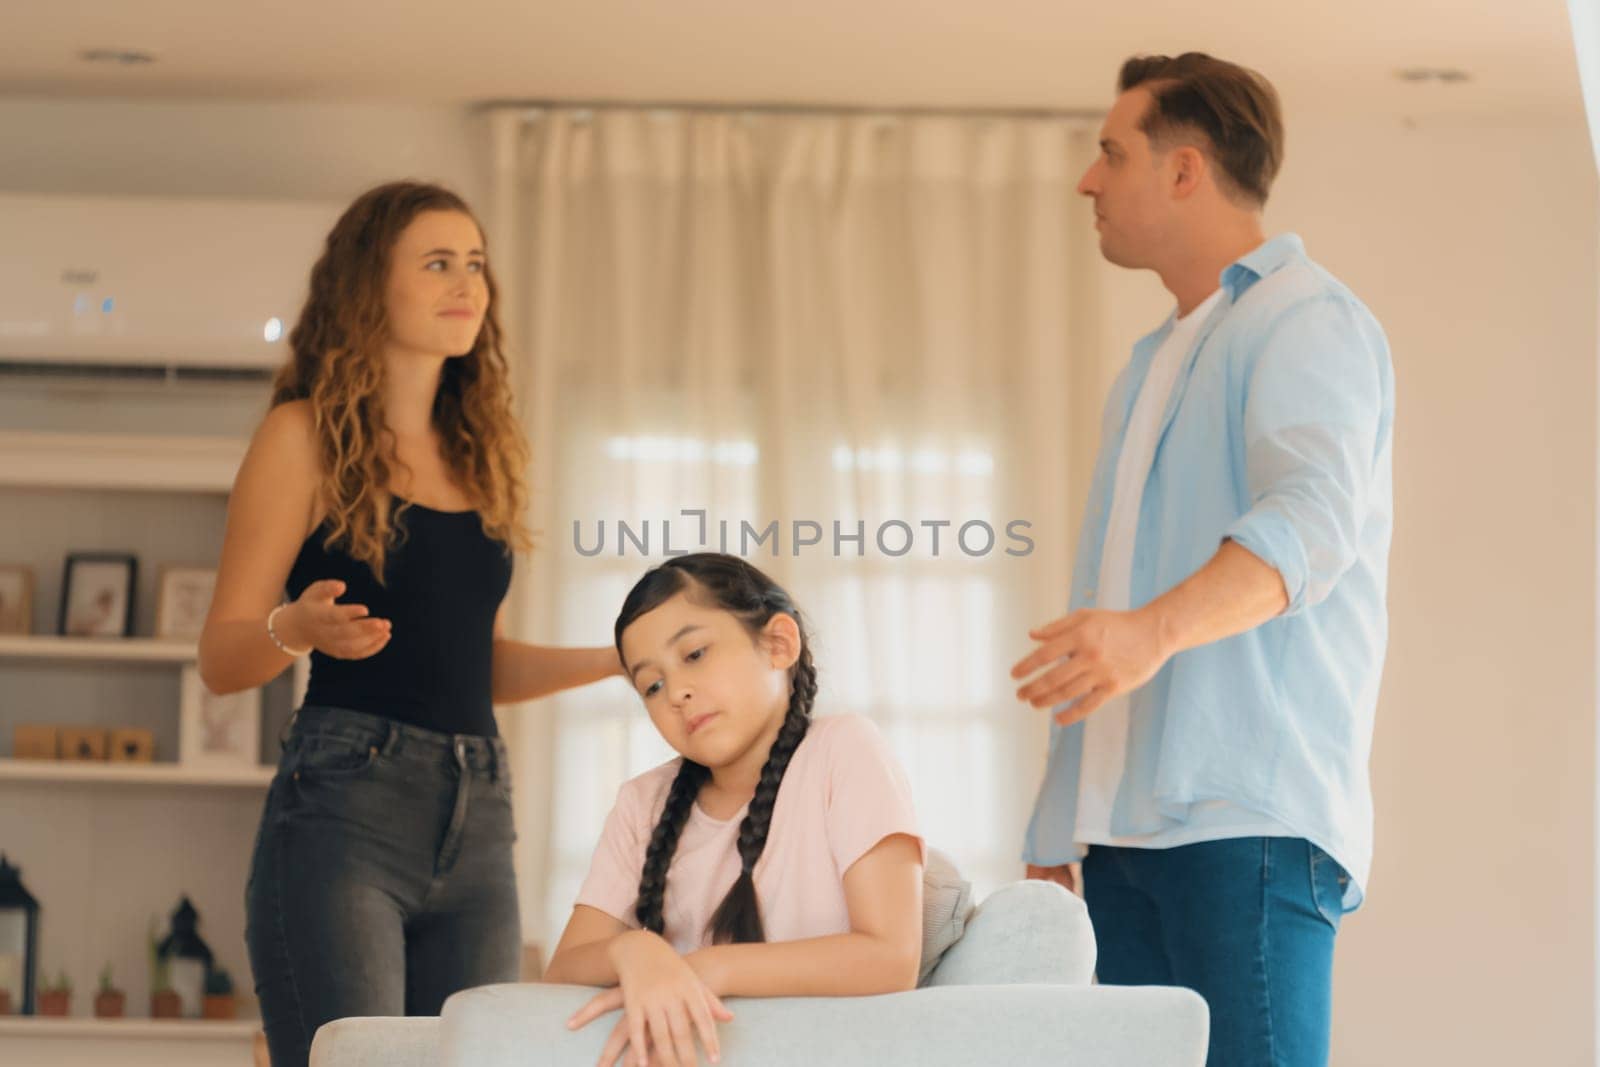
(218,730)
(110,1001)
(16,599)
(132,745)
(218,1002)
(97,594)
(83,743)
(19,940)
(55,998)
(188,958)
(183,596)
(33,742)
(164,1000)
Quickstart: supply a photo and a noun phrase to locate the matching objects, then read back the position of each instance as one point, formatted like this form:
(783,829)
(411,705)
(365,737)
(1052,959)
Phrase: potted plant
(55,998)
(218,1000)
(164,1000)
(110,1001)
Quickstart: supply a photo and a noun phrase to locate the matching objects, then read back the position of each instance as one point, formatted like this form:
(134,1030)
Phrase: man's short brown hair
(1233,109)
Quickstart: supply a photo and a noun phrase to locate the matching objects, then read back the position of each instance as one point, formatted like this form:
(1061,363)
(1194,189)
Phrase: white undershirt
(1105,735)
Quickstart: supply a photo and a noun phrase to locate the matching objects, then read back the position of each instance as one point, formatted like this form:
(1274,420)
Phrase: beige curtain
(878,322)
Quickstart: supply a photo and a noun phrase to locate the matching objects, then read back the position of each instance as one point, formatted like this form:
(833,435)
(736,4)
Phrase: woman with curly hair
(383,493)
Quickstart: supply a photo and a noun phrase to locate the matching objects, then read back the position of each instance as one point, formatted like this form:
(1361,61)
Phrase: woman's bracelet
(285,649)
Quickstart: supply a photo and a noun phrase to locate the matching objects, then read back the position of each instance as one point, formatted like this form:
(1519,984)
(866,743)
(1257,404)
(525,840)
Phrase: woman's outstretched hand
(665,1005)
(343,631)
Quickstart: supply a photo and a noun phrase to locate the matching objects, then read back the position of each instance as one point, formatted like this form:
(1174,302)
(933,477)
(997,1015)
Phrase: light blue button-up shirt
(1277,435)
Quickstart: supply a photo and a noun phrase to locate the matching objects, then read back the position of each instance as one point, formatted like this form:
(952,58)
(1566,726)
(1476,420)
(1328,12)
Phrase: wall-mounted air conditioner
(142,286)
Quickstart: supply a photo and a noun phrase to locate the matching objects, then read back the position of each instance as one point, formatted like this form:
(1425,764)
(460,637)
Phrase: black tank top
(445,581)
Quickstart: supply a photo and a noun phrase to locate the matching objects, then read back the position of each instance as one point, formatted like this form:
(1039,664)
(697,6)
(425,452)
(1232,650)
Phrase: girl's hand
(343,631)
(664,1004)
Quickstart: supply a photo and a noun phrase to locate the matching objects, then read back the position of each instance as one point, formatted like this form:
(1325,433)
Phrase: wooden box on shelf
(83,743)
(132,745)
(34,742)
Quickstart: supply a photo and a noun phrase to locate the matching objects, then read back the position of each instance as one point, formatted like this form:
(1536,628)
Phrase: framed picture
(16,599)
(183,596)
(97,595)
(218,730)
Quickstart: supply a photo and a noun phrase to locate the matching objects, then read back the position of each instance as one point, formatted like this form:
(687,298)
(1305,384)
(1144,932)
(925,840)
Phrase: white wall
(1476,248)
(1475,245)
(292,150)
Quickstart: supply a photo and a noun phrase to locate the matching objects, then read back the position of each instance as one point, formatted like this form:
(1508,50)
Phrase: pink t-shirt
(844,792)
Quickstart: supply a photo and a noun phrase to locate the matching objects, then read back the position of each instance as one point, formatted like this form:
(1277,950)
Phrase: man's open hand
(1091,657)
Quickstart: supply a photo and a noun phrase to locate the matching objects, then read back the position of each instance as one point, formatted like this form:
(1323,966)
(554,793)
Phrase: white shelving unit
(100,772)
(166,1029)
(101,649)
(116,650)
(192,822)
(90,1042)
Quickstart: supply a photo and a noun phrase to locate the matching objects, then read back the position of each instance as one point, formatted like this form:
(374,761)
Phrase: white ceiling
(915,53)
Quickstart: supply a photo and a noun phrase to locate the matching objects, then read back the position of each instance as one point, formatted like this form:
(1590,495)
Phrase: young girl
(778,857)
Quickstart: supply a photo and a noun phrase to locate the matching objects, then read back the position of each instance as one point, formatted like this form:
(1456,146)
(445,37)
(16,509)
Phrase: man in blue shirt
(1214,684)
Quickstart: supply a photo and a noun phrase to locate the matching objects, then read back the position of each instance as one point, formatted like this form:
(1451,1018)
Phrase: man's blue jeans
(1247,923)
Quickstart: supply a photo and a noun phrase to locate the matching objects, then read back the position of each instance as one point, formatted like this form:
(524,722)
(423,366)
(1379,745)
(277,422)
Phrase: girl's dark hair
(731,584)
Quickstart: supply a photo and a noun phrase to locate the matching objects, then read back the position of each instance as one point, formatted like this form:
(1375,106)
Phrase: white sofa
(1014,989)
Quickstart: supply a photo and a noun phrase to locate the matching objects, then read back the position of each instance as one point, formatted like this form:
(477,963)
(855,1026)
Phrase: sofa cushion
(946,904)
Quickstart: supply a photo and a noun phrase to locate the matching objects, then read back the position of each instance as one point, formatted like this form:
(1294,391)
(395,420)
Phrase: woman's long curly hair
(336,363)
(732,585)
